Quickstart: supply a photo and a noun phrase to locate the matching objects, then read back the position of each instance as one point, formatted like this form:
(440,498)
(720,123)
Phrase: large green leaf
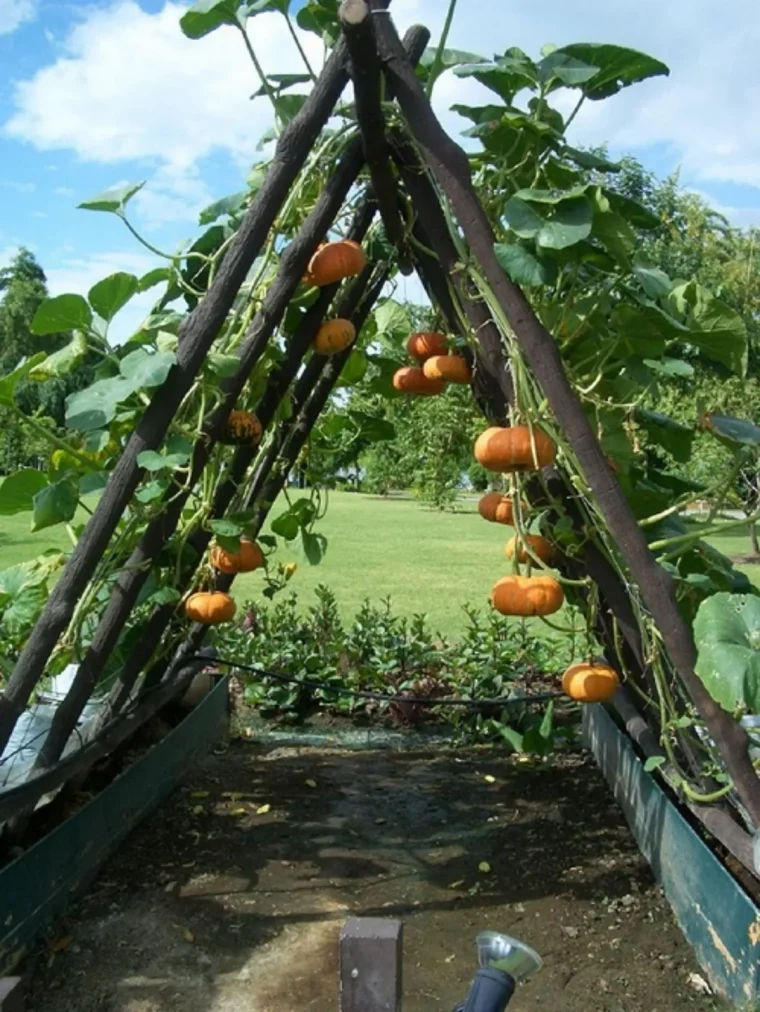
(565,69)
(11,380)
(569,224)
(618,67)
(61,362)
(522,218)
(108,296)
(612,230)
(145,369)
(523,266)
(206,16)
(590,160)
(715,328)
(320,17)
(314,547)
(392,320)
(449,57)
(670,367)
(655,282)
(225,206)
(18,490)
(114,199)
(354,370)
(634,212)
(372,428)
(677,439)
(95,406)
(727,633)
(62,312)
(55,504)
(732,431)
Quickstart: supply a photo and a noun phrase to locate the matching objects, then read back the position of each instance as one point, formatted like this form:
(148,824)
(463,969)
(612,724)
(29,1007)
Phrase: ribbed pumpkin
(510,449)
(334,336)
(426,343)
(527,595)
(541,547)
(210,607)
(412,380)
(451,368)
(247,558)
(497,508)
(334,261)
(242,428)
(590,683)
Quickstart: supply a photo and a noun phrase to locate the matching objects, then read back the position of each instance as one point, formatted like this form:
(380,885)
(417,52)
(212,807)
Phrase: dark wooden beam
(366,74)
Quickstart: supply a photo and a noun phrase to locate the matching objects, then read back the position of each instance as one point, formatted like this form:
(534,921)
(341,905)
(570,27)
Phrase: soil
(231,897)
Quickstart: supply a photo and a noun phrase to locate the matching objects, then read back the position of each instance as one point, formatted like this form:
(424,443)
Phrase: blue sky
(98,92)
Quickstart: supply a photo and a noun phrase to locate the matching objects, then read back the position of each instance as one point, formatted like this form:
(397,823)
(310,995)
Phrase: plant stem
(52,438)
(262,76)
(435,69)
(299,47)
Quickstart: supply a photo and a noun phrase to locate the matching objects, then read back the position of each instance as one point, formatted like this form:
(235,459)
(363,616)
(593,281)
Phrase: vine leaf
(727,632)
(144,369)
(18,490)
(111,294)
(61,312)
(314,546)
(732,431)
(113,200)
(11,380)
(205,16)
(655,282)
(677,439)
(61,362)
(54,504)
(523,266)
(226,206)
(618,67)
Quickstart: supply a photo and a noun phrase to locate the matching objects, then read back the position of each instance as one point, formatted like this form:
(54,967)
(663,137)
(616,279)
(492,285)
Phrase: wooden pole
(451,168)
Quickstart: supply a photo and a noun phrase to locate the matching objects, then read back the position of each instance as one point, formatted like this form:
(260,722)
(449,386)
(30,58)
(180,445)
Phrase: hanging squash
(451,368)
(590,683)
(511,449)
(241,429)
(334,261)
(247,558)
(426,343)
(334,336)
(412,380)
(527,595)
(497,508)
(210,607)
(541,547)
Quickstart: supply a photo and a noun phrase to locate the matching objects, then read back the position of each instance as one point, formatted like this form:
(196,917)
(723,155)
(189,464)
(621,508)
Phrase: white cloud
(79,274)
(64,191)
(14,13)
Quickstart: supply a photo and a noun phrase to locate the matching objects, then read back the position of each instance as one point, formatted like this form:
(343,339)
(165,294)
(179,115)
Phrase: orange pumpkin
(590,683)
(426,343)
(247,558)
(540,546)
(451,368)
(497,508)
(527,595)
(334,261)
(210,607)
(334,336)
(412,380)
(511,449)
(242,428)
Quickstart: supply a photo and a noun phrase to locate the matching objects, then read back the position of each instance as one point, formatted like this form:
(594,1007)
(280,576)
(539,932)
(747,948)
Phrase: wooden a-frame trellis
(429,166)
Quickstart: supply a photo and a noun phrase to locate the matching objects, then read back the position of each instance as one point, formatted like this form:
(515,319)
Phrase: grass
(424,560)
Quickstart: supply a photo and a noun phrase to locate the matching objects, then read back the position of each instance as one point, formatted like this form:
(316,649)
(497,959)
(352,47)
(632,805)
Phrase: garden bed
(232,895)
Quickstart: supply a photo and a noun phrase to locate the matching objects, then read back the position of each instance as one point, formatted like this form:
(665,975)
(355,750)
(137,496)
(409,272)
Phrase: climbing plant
(545,305)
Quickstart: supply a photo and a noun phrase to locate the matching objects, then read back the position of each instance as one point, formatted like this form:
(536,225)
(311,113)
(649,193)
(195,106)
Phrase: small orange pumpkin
(210,607)
(451,368)
(590,683)
(497,508)
(334,336)
(541,547)
(247,558)
(334,261)
(527,595)
(426,343)
(242,429)
(511,449)
(412,380)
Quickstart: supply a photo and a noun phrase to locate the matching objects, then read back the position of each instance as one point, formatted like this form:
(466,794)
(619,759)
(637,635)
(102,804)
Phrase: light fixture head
(501,952)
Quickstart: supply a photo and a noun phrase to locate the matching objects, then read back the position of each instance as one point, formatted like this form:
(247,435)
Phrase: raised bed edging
(717,917)
(41,883)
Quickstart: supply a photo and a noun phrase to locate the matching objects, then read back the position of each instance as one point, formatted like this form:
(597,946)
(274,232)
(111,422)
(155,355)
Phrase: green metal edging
(716,916)
(41,883)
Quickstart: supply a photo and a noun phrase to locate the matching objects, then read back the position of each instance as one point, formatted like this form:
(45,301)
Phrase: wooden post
(370,965)
(11,995)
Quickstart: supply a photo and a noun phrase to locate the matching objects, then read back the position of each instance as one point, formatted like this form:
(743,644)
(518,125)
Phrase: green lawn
(424,560)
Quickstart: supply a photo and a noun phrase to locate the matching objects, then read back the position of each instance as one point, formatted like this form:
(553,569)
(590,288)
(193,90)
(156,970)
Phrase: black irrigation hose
(475,704)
